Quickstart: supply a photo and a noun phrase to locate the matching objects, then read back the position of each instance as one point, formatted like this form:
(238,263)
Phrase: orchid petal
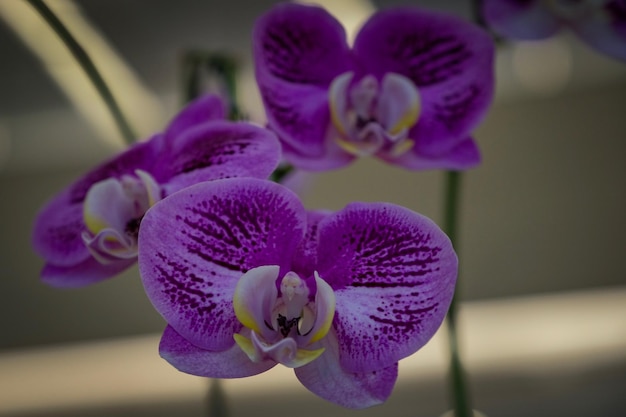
(204,109)
(220,150)
(329,156)
(393,272)
(463,156)
(305,262)
(298,51)
(107,205)
(449,60)
(81,274)
(338,101)
(324,309)
(326,378)
(285,351)
(57,234)
(191,359)
(195,245)
(522,20)
(255,296)
(399,103)
(605,30)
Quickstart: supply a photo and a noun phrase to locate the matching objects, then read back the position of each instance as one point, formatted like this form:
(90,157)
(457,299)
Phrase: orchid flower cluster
(599,23)
(244,275)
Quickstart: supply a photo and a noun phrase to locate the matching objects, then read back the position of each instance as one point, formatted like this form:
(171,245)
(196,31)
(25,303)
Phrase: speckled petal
(326,378)
(195,245)
(84,273)
(191,359)
(606,30)
(520,19)
(218,150)
(298,51)
(305,262)
(449,60)
(57,234)
(463,156)
(201,110)
(393,272)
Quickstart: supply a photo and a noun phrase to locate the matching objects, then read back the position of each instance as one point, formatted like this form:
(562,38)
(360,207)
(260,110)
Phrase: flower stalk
(88,66)
(458,383)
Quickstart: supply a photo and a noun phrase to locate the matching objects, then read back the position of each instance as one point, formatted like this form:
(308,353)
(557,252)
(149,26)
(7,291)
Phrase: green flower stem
(226,67)
(88,66)
(459,386)
(281,173)
(191,66)
(196,64)
(217,404)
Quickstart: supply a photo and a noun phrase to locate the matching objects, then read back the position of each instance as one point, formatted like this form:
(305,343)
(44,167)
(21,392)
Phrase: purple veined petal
(520,19)
(195,245)
(326,378)
(201,110)
(305,261)
(605,31)
(218,150)
(300,44)
(229,363)
(57,234)
(463,156)
(84,273)
(298,51)
(393,272)
(449,60)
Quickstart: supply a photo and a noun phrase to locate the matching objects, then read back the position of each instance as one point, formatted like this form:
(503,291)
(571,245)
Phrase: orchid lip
(283,325)
(112,213)
(372,116)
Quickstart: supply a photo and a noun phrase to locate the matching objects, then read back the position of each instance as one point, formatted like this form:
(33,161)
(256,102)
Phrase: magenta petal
(605,31)
(186,357)
(393,272)
(201,110)
(323,156)
(196,244)
(521,20)
(84,273)
(217,150)
(59,225)
(449,60)
(305,261)
(298,51)
(326,378)
(463,156)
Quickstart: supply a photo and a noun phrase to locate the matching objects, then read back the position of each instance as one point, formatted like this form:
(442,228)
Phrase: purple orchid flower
(88,232)
(599,23)
(410,90)
(246,279)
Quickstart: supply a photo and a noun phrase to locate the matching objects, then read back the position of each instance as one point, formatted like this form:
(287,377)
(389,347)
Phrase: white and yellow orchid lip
(112,211)
(282,326)
(371,117)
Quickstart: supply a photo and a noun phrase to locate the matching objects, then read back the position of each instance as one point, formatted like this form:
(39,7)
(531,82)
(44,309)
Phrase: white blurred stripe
(531,334)
(125,85)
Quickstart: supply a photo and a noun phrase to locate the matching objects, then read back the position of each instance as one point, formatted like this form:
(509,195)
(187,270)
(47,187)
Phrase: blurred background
(542,233)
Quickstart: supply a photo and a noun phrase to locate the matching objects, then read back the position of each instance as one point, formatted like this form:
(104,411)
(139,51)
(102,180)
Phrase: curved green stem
(217,404)
(87,65)
(459,386)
